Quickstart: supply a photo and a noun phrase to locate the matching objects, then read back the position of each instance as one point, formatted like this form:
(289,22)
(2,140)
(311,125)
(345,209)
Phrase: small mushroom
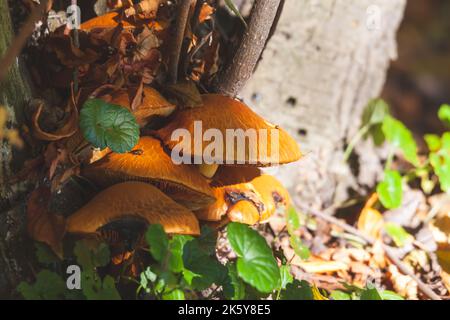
(134,200)
(148,162)
(153,104)
(226,115)
(252,199)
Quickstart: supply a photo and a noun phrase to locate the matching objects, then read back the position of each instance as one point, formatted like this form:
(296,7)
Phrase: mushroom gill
(133,199)
(148,162)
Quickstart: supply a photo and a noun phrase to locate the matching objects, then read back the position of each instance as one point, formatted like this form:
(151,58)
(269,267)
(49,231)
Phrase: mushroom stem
(234,76)
(177,44)
(208,170)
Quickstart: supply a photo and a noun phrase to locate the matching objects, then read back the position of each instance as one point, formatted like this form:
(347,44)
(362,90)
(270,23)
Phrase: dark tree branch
(177,44)
(19,42)
(234,76)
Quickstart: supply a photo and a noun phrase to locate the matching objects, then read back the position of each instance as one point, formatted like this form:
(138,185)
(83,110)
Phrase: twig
(234,76)
(20,40)
(388,250)
(177,44)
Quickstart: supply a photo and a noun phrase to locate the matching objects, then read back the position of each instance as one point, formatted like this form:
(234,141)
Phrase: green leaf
(108,125)
(299,248)
(255,264)
(293,221)
(285,276)
(235,290)
(444,113)
(91,253)
(176,294)
(230,4)
(176,245)
(48,286)
(206,268)
(340,295)
(397,233)
(147,276)
(158,241)
(433,142)
(375,112)
(298,290)
(400,137)
(390,189)
(390,295)
(441,165)
(370,293)
(95,288)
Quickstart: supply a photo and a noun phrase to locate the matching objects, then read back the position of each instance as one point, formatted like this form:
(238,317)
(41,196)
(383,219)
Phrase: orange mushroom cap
(253,201)
(153,104)
(224,113)
(133,199)
(149,163)
(108,20)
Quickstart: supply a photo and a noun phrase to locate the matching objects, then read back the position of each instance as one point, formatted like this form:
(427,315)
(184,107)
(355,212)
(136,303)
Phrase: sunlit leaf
(397,233)
(433,142)
(390,189)
(256,264)
(444,113)
(399,136)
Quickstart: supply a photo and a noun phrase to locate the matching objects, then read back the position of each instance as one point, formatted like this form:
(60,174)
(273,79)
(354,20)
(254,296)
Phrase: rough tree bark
(326,60)
(14,93)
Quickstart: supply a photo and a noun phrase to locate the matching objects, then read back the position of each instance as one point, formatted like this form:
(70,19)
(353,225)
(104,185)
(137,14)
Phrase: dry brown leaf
(43,225)
(66,130)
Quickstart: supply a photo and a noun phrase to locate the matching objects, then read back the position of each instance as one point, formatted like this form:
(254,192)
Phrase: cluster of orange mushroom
(145,183)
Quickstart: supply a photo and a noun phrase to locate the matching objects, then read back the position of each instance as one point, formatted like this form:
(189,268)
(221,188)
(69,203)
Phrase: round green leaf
(400,137)
(444,113)
(108,125)
(158,241)
(390,189)
(256,264)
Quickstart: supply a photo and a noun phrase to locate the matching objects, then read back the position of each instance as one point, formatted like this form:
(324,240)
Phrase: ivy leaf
(158,241)
(397,233)
(444,113)
(108,125)
(298,290)
(400,137)
(390,189)
(255,264)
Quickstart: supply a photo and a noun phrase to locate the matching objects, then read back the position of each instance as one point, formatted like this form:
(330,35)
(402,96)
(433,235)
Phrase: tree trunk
(326,60)
(14,93)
